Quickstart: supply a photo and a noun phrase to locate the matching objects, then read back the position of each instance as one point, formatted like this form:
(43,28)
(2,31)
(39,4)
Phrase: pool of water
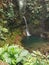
(33,42)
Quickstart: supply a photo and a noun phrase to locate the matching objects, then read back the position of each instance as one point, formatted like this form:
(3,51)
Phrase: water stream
(27,30)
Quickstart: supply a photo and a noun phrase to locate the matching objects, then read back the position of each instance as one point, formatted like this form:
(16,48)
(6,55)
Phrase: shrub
(17,55)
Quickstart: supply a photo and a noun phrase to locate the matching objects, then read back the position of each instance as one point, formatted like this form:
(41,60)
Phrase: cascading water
(22,7)
(27,31)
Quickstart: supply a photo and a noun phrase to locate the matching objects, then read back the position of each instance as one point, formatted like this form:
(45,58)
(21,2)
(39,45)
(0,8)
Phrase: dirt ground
(3,63)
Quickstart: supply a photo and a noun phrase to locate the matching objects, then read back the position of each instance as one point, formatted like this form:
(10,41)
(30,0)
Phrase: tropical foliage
(17,55)
(3,29)
(36,13)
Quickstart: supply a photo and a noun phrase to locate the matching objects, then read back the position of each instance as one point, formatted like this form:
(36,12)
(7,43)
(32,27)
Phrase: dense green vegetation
(36,13)
(17,55)
(12,30)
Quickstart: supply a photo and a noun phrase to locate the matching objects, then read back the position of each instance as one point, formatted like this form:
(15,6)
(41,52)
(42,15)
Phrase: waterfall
(22,7)
(27,31)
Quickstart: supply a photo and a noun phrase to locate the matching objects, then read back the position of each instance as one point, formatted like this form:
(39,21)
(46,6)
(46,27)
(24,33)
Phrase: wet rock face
(46,22)
(3,63)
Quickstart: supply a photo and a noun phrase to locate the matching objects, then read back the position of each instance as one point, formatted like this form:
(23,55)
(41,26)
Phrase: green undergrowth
(17,55)
(10,37)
